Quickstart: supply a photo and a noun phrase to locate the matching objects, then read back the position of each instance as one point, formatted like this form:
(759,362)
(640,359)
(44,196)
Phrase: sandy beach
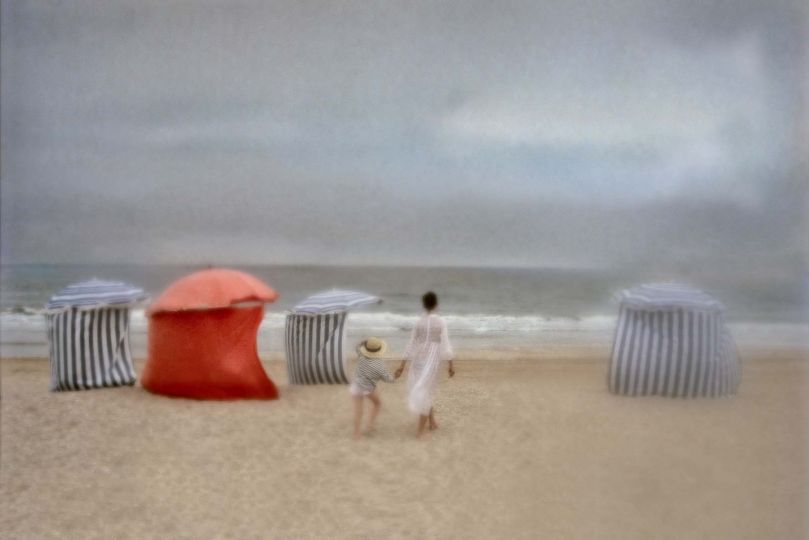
(531,445)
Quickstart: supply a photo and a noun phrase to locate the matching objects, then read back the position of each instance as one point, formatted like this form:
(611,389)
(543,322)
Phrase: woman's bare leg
(433,423)
(357,416)
(422,433)
(377,405)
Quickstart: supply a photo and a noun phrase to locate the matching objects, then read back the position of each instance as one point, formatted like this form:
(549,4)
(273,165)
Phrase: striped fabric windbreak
(89,348)
(314,348)
(673,352)
(96,293)
(335,300)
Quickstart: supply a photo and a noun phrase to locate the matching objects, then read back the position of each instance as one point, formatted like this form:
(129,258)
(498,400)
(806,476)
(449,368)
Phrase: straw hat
(373,347)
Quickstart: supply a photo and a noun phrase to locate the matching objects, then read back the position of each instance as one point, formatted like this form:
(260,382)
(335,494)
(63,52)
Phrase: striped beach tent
(671,340)
(315,331)
(88,334)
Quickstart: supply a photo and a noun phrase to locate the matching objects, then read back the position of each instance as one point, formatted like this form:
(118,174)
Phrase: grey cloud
(162,131)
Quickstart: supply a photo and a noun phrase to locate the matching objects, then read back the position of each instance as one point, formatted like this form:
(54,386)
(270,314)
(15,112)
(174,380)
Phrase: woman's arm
(408,351)
(446,348)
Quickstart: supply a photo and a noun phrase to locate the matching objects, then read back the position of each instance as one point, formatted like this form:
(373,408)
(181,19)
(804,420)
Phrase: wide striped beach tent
(88,334)
(315,331)
(671,340)
(202,338)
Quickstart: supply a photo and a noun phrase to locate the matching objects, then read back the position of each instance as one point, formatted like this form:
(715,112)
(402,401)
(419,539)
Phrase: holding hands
(400,370)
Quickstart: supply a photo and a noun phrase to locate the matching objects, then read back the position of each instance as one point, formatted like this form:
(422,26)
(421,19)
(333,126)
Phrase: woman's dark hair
(429,300)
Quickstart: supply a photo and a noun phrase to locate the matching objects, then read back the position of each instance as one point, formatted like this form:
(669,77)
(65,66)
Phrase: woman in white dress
(428,348)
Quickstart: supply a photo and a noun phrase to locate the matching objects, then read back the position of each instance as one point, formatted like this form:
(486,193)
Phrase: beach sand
(531,445)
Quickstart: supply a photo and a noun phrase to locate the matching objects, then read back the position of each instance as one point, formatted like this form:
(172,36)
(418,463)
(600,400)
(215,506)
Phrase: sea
(500,308)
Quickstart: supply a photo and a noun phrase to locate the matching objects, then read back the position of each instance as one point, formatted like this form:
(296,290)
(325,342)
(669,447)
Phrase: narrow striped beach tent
(315,331)
(88,335)
(671,340)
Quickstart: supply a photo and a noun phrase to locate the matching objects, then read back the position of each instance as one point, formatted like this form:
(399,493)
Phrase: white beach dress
(428,348)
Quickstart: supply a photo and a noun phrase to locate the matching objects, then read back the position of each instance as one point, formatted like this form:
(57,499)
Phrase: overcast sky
(475,133)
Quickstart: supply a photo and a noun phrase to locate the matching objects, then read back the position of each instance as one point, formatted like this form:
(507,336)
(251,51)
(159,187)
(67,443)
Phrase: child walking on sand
(370,369)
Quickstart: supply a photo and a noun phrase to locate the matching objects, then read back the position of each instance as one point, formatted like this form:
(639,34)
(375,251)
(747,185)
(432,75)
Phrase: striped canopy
(334,301)
(662,296)
(96,294)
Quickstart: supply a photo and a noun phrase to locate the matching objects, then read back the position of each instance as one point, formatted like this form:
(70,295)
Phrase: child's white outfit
(369,371)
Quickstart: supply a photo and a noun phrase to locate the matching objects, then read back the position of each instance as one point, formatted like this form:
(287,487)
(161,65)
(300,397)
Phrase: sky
(564,134)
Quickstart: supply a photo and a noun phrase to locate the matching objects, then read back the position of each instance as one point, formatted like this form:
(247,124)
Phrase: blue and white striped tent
(88,335)
(315,331)
(671,340)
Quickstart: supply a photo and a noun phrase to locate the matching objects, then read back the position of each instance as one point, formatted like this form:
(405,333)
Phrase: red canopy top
(215,288)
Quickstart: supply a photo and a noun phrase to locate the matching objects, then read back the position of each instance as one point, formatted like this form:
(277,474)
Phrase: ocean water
(484,307)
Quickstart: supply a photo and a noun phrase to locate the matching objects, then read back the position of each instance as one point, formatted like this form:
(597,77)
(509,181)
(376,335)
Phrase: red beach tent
(202,338)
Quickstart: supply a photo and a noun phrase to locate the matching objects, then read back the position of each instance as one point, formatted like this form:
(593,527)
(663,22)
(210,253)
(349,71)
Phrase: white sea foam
(23,334)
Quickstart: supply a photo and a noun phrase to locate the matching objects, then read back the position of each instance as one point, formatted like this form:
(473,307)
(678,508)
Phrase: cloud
(589,132)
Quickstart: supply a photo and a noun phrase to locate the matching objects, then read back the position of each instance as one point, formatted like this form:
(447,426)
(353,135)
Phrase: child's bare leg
(377,405)
(433,423)
(422,433)
(357,416)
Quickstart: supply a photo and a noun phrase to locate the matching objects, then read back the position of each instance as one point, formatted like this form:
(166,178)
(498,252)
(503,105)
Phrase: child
(370,369)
